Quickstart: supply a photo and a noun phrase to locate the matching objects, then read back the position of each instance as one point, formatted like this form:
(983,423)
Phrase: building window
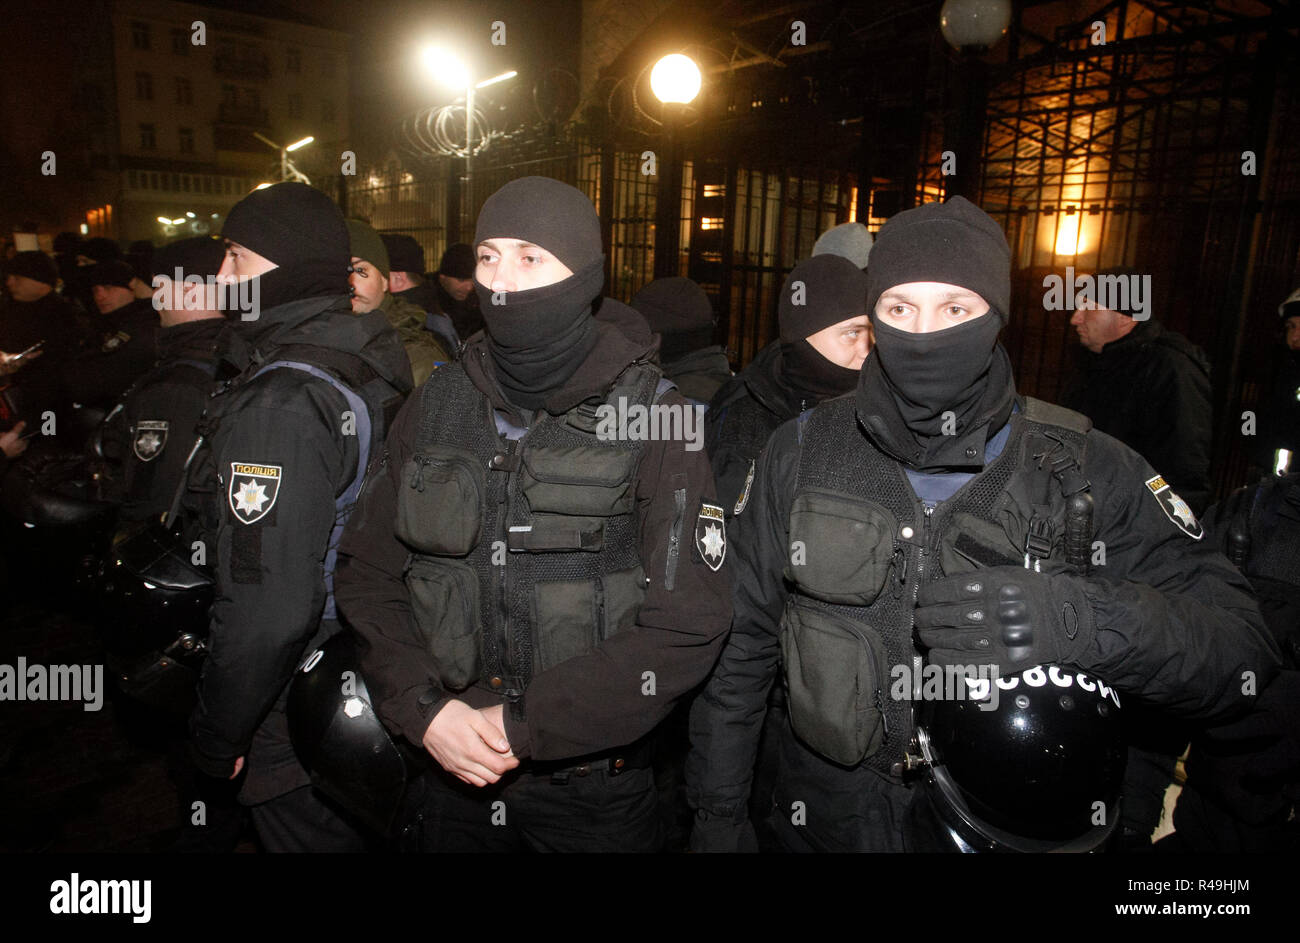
(184,91)
(229,95)
(327,111)
(187,140)
(327,66)
(144,86)
(148,137)
(253,99)
(295,106)
(293,60)
(180,42)
(139,34)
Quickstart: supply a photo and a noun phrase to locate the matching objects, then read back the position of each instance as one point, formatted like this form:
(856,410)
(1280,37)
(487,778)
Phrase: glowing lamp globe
(675,79)
(975,24)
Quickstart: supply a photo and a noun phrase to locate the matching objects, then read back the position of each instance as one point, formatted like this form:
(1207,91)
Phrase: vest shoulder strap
(1049,414)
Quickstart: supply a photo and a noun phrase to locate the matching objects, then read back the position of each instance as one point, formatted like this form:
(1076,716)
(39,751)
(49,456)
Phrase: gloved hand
(721,834)
(1006,616)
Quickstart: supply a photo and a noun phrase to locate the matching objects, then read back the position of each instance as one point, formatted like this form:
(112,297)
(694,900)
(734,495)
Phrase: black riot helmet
(340,740)
(1038,771)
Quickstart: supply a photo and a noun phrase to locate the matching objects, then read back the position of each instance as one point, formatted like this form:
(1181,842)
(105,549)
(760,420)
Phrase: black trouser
(820,806)
(302,821)
(534,811)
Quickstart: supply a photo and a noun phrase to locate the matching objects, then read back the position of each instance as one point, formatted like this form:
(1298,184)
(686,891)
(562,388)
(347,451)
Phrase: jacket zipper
(927,512)
(602,630)
(675,539)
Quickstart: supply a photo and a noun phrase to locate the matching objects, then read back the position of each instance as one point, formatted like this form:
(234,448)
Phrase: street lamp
(970,27)
(447,69)
(675,81)
(974,24)
(287,170)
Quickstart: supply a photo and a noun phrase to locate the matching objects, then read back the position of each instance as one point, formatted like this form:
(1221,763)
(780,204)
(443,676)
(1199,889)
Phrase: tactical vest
(861,545)
(526,547)
(373,401)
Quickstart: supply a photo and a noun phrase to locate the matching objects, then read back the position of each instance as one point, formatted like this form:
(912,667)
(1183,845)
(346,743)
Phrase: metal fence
(1128,153)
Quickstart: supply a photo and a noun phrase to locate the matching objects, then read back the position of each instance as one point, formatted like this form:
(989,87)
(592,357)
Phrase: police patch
(711,535)
(150,437)
(1175,508)
(252,490)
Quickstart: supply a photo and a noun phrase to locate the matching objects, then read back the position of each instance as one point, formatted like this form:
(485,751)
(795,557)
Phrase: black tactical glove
(720,833)
(1006,616)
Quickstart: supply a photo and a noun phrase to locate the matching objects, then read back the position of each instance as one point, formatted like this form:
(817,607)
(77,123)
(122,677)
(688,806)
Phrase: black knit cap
(458,261)
(405,254)
(35,265)
(115,272)
(956,243)
(674,305)
(290,224)
(546,213)
(200,256)
(834,290)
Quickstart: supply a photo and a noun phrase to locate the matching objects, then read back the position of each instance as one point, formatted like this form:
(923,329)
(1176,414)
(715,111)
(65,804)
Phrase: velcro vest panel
(527,552)
(861,545)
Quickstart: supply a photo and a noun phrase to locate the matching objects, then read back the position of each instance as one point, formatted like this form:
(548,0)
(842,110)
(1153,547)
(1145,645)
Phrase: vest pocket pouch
(836,679)
(565,614)
(573,616)
(841,548)
(444,602)
(440,507)
(582,480)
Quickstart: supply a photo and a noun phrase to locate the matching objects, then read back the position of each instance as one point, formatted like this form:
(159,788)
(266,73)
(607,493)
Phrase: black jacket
(150,434)
(1151,390)
(124,349)
(589,703)
(267,557)
(700,374)
(50,319)
(1279,413)
(1176,625)
(742,417)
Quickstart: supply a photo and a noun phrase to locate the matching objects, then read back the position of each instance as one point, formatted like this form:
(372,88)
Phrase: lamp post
(451,72)
(970,27)
(287,170)
(675,81)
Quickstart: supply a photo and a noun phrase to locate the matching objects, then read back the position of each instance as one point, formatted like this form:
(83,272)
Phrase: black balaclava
(538,338)
(679,311)
(913,380)
(302,231)
(834,290)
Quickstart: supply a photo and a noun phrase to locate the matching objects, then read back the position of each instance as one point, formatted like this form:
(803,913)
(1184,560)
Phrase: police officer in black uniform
(285,445)
(124,344)
(151,432)
(825,337)
(535,584)
(680,312)
(933,501)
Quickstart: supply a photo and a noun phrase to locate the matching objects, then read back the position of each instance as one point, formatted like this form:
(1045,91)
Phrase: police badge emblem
(1175,508)
(252,490)
(711,535)
(150,437)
